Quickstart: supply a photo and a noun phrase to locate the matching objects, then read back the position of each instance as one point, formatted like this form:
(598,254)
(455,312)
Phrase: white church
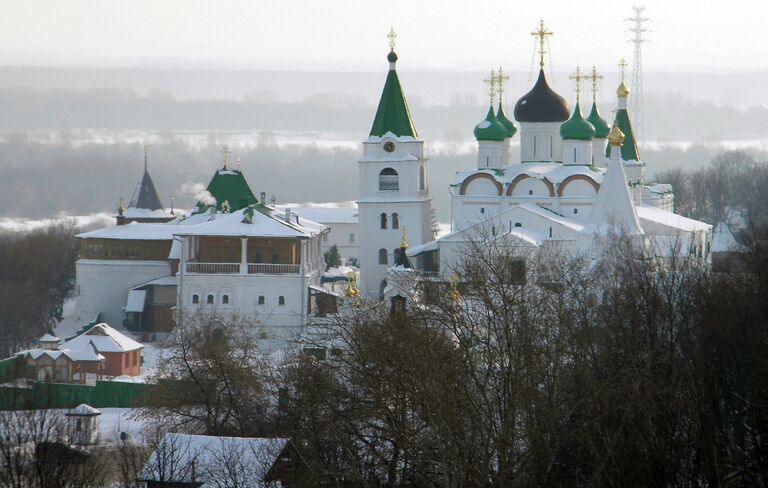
(236,254)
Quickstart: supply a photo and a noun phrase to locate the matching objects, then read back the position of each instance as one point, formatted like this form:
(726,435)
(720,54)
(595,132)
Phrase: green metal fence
(104,394)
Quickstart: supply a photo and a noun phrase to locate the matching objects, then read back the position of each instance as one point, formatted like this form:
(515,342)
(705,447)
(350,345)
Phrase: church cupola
(491,134)
(577,132)
(540,113)
(227,190)
(500,115)
(601,126)
(145,205)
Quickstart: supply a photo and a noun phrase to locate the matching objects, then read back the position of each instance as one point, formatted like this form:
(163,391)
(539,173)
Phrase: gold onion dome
(622,90)
(616,137)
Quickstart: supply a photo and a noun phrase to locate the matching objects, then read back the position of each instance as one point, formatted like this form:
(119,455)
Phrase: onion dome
(616,137)
(490,129)
(392,57)
(503,120)
(601,126)
(541,104)
(622,90)
(577,127)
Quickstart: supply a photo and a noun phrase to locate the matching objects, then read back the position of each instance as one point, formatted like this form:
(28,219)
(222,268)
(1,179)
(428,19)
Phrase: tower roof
(577,127)
(145,195)
(629,150)
(392,114)
(502,118)
(229,185)
(490,129)
(601,126)
(613,206)
(541,104)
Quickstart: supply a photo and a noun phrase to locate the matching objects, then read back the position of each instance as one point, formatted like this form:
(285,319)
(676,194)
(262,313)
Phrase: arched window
(575,211)
(382,256)
(388,180)
(422,178)
(518,224)
(261,300)
(530,192)
(225,299)
(395,221)
(281,300)
(383,221)
(209,300)
(195,298)
(534,146)
(574,154)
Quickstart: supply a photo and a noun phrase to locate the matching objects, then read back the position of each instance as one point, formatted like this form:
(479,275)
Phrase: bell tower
(393,187)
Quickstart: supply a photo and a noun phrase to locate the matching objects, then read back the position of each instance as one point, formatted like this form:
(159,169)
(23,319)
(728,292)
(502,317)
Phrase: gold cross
(622,67)
(491,82)
(577,76)
(225,154)
(392,37)
(404,243)
(595,77)
(500,79)
(542,34)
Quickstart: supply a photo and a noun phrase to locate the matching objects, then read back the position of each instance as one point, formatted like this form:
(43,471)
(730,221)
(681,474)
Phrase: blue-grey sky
(334,34)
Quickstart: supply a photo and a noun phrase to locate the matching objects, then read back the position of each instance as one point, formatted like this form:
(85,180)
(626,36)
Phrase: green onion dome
(577,127)
(490,129)
(511,128)
(392,57)
(601,126)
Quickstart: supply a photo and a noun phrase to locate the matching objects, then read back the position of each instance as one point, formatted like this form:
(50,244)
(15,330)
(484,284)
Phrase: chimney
(288,215)
(212,211)
(263,198)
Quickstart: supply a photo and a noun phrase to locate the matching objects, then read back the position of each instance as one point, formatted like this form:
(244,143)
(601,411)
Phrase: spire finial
(616,136)
(351,290)
(501,78)
(595,77)
(622,68)
(146,146)
(120,208)
(172,213)
(578,77)
(403,243)
(392,36)
(542,34)
(491,82)
(225,155)
(238,163)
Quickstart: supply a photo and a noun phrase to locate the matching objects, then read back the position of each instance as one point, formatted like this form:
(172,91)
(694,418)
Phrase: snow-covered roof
(669,219)
(84,410)
(180,457)
(266,222)
(169,280)
(48,337)
(613,207)
(324,214)
(74,355)
(554,172)
(136,231)
(104,339)
(136,300)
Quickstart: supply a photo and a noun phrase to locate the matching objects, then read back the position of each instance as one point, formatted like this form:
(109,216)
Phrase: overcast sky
(351,35)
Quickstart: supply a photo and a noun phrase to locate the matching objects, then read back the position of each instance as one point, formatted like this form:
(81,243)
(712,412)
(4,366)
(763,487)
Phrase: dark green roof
(601,126)
(502,118)
(393,114)
(229,185)
(577,127)
(145,195)
(629,150)
(490,129)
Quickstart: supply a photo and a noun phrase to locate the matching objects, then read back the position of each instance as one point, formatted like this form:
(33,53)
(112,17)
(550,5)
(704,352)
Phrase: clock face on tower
(389,146)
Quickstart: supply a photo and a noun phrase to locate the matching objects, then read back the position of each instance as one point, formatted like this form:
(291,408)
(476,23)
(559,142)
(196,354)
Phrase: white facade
(394,193)
(103,285)
(493,154)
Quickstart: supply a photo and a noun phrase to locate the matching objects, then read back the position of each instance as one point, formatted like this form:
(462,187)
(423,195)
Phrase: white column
(244,255)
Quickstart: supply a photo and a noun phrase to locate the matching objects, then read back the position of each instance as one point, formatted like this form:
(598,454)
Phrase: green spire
(510,126)
(228,185)
(490,129)
(601,126)
(577,127)
(629,150)
(393,114)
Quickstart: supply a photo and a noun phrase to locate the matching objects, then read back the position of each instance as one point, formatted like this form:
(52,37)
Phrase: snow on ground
(112,421)
(70,323)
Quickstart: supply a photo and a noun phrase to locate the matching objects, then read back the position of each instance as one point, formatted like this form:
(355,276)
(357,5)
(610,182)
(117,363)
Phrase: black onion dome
(542,104)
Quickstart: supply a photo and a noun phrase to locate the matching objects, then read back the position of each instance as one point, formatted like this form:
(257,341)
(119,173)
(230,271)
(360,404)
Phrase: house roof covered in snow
(104,339)
(324,213)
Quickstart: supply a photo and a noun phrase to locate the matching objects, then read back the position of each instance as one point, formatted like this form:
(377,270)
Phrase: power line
(636,100)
